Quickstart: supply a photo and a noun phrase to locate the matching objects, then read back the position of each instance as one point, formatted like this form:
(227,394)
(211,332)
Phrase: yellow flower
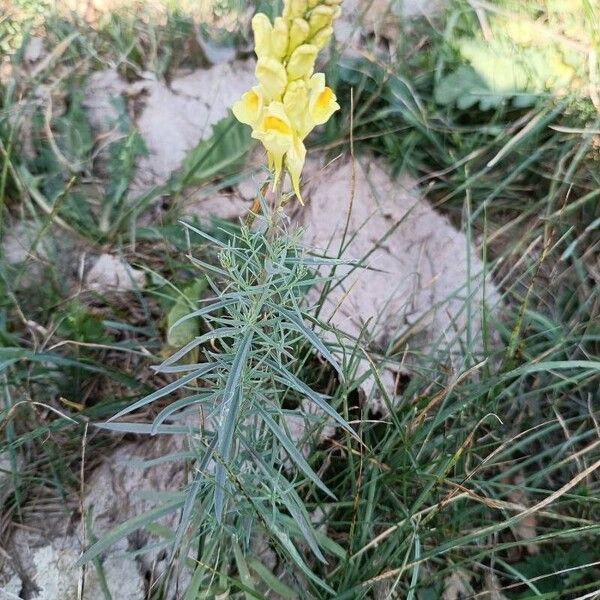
(294,8)
(289,100)
(272,78)
(263,30)
(302,61)
(249,108)
(276,133)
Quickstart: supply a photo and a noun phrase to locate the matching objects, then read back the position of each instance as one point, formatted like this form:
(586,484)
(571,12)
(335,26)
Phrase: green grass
(444,483)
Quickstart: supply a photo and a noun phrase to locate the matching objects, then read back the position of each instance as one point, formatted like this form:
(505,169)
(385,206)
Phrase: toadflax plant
(248,472)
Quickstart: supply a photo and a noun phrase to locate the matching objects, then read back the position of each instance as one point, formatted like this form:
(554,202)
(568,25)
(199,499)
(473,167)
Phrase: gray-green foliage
(248,468)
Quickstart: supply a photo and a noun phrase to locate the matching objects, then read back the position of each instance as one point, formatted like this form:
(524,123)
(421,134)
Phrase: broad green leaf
(219,156)
(189,329)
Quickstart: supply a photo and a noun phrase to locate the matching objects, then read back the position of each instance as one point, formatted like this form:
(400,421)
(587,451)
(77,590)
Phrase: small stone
(57,577)
(110,273)
(34,50)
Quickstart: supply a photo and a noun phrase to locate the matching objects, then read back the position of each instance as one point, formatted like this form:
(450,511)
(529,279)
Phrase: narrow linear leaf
(165,391)
(126,528)
(292,381)
(270,580)
(284,539)
(229,413)
(204,311)
(215,334)
(191,497)
(145,428)
(293,452)
(310,336)
(166,412)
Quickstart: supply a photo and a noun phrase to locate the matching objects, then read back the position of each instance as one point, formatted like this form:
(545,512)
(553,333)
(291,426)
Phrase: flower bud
(294,8)
(320,18)
(322,37)
(272,77)
(302,61)
(299,32)
(262,28)
(280,38)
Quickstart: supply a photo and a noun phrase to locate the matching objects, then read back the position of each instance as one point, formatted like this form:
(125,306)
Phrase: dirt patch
(171,117)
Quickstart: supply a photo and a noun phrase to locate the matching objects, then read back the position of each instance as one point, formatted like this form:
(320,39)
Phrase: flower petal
(322,37)
(295,103)
(276,134)
(249,107)
(294,163)
(320,17)
(323,105)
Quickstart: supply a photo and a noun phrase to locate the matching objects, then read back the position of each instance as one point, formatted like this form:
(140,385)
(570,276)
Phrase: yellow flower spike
(249,108)
(299,32)
(272,78)
(276,133)
(322,37)
(295,103)
(289,100)
(280,38)
(302,61)
(320,17)
(294,163)
(322,103)
(262,28)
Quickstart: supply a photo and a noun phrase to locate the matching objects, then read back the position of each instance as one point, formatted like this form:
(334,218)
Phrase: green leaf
(465,88)
(293,452)
(166,390)
(270,580)
(295,322)
(229,413)
(292,381)
(128,527)
(190,328)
